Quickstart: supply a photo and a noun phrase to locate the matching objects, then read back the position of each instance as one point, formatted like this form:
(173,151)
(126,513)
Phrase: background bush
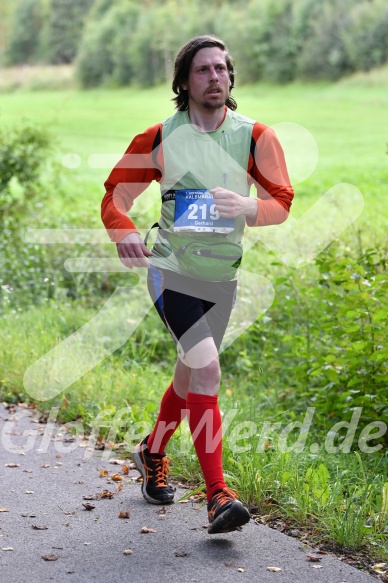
(32,273)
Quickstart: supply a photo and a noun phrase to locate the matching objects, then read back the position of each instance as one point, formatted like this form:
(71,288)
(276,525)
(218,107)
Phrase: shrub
(24,150)
(323,341)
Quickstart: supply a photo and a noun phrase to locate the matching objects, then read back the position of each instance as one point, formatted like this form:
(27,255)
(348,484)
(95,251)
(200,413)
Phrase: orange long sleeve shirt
(143,162)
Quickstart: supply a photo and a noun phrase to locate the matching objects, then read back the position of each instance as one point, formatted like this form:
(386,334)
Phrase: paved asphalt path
(43,492)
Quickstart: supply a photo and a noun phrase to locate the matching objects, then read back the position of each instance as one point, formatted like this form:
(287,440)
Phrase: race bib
(195,211)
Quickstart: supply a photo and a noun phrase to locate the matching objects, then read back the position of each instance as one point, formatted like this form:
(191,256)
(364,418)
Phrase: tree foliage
(46,31)
(24,39)
(65,29)
(123,41)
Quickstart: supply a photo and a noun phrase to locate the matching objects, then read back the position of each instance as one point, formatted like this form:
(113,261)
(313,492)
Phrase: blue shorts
(191,309)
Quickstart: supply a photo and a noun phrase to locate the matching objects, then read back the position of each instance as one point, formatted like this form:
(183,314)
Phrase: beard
(212,105)
(215,104)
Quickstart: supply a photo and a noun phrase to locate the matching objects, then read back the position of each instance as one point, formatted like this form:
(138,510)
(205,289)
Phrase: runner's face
(208,83)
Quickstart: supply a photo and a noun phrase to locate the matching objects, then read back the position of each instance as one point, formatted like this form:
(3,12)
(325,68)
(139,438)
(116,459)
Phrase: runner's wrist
(250,210)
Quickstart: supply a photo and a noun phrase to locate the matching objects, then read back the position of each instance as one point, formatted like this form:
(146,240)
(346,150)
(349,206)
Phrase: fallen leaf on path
(50,557)
(91,497)
(125,470)
(124,515)
(313,558)
(39,527)
(88,506)
(58,456)
(45,466)
(4,509)
(116,462)
(128,552)
(146,530)
(274,569)
(119,487)
(117,478)
(106,494)
(240,570)
(12,465)
(103,473)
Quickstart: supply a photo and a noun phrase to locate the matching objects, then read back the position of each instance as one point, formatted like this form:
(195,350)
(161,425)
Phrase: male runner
(205,157)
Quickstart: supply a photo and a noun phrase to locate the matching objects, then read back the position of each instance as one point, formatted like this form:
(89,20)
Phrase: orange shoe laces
(161,471)
(225,495)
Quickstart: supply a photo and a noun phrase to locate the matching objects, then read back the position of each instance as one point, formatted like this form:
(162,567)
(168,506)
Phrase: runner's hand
(231,205)
(132,251)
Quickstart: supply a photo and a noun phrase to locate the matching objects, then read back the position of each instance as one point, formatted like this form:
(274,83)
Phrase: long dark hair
(182,69)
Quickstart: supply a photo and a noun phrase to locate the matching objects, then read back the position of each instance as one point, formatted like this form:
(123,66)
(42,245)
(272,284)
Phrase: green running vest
(194,159)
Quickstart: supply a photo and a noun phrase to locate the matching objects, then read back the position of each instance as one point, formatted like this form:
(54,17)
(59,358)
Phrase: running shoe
(225,512)
(153,469)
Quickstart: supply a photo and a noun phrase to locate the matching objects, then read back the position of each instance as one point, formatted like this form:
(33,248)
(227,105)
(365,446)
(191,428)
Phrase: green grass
(341,496)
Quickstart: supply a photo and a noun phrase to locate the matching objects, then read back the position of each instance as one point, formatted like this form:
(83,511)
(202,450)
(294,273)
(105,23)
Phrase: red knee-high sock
(168,420)
(206,428)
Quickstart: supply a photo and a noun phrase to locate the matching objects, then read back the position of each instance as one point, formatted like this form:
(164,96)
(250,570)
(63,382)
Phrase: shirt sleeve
(139,166)
(268,172)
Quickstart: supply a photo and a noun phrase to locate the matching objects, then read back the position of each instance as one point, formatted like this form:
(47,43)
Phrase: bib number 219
(201,212)
(195,211)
